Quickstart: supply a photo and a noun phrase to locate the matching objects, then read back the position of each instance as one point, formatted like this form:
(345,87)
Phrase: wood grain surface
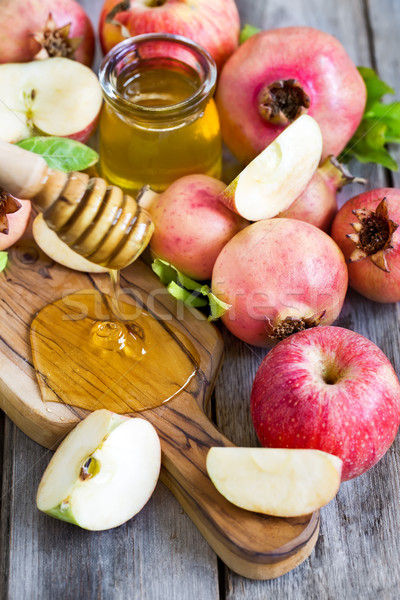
(253,545)
(160,554)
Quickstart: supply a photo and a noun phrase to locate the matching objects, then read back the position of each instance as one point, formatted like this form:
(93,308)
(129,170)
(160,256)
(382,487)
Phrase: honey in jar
(159,121)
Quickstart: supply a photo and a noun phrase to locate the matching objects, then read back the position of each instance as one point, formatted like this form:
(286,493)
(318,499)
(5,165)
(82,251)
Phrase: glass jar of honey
(159,121)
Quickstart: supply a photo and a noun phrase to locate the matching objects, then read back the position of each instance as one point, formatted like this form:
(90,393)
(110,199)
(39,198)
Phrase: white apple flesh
(55,96)
(103,473)
(277,176)
(57,250)
(275,481)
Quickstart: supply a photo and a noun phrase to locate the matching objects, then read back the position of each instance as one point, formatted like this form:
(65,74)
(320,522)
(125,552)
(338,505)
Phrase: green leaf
(380,125)
(3,260)
(61,153)
(247,31)
(376,88)
(186,296)
(371,145)
(187,290)
(164,271)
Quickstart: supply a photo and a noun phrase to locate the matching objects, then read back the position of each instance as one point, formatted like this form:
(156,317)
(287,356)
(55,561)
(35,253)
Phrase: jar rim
(188,105)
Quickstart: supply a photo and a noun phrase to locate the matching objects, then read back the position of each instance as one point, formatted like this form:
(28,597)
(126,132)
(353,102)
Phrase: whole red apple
(25,28)
(329,389)
(214,24)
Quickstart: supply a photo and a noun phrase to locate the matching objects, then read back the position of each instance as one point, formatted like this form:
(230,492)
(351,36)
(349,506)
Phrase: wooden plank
(384,19)
(352,558)
(51,559)
(159,554)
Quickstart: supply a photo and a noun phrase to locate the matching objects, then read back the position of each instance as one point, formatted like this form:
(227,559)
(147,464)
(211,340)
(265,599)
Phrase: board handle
(251,544)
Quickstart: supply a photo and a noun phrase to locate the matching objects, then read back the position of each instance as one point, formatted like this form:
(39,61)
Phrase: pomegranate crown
(373,235)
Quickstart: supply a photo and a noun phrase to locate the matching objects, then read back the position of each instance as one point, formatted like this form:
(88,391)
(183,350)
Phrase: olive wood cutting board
(253,545)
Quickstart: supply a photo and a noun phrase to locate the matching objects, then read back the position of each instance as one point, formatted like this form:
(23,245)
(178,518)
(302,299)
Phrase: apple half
(103,473)
(57,250)
(275,481)
(279,174)
(55,96)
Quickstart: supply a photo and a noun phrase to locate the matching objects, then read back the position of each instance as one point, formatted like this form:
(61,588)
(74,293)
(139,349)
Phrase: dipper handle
(94,219)
(22,173)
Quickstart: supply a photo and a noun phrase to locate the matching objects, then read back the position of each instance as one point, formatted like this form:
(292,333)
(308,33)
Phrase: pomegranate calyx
(55,41)
(289,325)
(281,102)
(373,235)
(338,174)
(8,205)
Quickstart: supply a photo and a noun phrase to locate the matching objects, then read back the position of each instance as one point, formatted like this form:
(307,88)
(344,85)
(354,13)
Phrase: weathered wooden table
(160,555)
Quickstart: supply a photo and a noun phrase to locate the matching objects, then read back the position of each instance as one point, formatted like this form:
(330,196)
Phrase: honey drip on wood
(92,350)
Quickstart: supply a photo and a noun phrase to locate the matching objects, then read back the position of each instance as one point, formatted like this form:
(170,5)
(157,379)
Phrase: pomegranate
(14,218)
(280,276)
(41,28)
(366,229)
(317,204)
(214,24)
(191,226)
(276,76)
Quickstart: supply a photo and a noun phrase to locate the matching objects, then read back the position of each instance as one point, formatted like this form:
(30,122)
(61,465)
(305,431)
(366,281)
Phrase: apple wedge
(57,250)
(55,96)
(103,473)
(275,481)
(277,176)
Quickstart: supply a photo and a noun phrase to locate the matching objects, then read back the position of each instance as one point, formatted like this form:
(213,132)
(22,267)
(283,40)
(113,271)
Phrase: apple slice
(275,481)
(55,96)
(277,176)
(58,250)
(103,473)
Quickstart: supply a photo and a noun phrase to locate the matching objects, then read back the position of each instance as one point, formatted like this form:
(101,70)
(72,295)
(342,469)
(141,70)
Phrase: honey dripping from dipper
(92,350)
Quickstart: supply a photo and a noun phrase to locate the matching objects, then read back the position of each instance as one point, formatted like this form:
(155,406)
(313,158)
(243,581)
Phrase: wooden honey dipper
(97,220)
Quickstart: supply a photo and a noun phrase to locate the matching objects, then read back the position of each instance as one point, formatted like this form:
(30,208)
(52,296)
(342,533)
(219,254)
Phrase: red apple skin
(317,61)
(84,135)
(214,24)
(274,269)
(364,276)
(20,19)
(17,223)
(192,226)
(355,417)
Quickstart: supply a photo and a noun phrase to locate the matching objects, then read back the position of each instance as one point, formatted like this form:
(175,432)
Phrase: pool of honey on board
(92,350)
(133,155)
